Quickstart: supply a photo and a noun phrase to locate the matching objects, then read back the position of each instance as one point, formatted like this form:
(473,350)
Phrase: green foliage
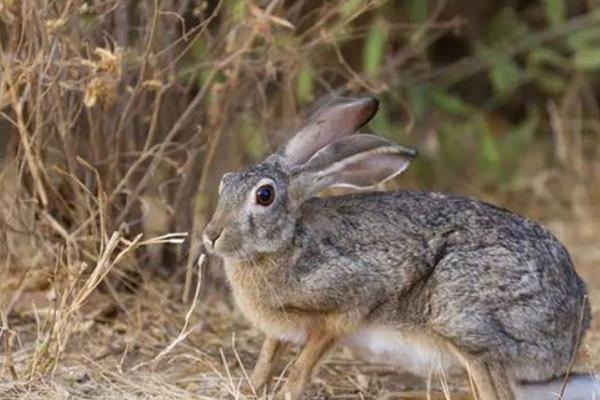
(505,75)
(418,10)
(382,123)
(251,137)
(493,104)
(305,84)
(418,97)
(452,104)
(548,69)
(587,59)
(504,26)
(555,11)
(374,48)
(585,45)
(237,9)
(490,157)
(487,104)
(350,7)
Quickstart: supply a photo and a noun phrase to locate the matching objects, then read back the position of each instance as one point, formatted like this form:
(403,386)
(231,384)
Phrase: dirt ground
(139,346)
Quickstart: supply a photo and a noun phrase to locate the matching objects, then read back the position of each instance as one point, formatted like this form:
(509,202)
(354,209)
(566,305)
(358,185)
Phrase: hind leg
(491,382)
(482,378)
(502,382)
(491,379)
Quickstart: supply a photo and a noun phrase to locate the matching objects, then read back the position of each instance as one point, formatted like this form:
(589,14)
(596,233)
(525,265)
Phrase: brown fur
(321,329)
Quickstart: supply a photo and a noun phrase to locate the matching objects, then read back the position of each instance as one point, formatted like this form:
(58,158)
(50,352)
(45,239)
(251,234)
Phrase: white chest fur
(416,352)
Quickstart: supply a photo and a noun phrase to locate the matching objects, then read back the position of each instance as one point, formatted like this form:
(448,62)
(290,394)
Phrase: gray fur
(496,286)
(491,282)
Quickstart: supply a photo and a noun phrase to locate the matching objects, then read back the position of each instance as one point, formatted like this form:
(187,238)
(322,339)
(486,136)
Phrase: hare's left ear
(360,161)
(338,119)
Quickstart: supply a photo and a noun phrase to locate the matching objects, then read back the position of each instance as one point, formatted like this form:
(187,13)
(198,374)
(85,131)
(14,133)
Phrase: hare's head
(258,207)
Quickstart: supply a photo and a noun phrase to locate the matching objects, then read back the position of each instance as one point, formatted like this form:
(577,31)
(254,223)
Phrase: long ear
(360,161)
(332,122)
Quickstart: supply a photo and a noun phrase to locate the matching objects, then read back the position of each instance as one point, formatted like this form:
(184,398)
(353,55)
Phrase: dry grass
(150,345)
(116,121)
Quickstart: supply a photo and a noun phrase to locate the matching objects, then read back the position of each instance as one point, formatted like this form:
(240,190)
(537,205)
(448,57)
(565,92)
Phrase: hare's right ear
(340,118)
(360,161)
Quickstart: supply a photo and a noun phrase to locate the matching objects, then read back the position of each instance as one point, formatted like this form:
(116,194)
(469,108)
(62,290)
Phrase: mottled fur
(483,286)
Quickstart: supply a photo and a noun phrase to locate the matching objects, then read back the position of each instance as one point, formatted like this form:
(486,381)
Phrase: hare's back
(429,226)
(423,215)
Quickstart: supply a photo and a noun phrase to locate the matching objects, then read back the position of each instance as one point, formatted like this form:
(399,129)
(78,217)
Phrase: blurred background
(117,118)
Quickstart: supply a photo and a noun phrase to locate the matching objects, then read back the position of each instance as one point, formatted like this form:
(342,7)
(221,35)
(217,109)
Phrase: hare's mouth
(220,245)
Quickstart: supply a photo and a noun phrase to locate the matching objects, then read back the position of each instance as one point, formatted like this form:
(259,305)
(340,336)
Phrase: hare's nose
(211,235)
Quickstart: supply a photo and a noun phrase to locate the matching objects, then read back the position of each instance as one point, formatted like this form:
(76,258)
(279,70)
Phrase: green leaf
(547,56)
(374,47)
(418,98)
(305,84)
(490,154)
(520,135)
(555,11)
(515,143)
(198,52)
(381,123)
(418,10)
(549,81)
(547,68)
(584,38)
(587,59)
(252,137)
(505,74)
(450,103)
(418,13)
(349,7)
(238,10)
(256,146)
(504,26)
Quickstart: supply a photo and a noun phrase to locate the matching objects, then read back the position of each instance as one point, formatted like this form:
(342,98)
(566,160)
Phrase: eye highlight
(265,195)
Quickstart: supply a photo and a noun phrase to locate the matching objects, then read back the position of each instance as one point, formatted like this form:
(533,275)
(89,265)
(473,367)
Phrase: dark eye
(265,195)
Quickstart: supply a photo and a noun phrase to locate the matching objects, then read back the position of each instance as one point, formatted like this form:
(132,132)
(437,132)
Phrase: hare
(451,279)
